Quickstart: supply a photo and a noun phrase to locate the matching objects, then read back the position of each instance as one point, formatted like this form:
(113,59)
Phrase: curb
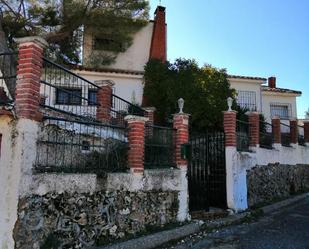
(160,238)
(273,207)
(157,239)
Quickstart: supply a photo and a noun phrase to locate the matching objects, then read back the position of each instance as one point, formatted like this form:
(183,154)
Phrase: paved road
(286,229)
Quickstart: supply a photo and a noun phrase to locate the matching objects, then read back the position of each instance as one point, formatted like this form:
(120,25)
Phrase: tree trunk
(8,63)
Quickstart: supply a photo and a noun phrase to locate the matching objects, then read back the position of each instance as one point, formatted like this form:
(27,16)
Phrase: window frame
(95,103)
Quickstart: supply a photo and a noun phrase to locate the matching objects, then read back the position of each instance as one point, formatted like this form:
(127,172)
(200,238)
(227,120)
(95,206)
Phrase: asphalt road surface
(285,229)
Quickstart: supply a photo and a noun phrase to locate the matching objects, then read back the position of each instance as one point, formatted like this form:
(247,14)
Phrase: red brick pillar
(306,131)
(293,131)
(276,130)
(254,128)
(27,96)
(104,100)
(149,113)
(181,124)
(136,126)
(229,124)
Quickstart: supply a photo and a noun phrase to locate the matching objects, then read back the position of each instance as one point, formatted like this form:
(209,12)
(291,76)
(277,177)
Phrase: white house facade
(263,95)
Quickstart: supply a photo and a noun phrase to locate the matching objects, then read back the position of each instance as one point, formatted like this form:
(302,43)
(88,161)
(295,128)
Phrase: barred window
(247,99)
(283,111)
(68,96)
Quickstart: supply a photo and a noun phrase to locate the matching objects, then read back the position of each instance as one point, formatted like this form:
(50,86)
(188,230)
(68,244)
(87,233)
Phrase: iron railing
(65,92)
(243,138)
(121,108)
(8,68)
(266,135)
(285,135)
(159,147)
(81,147)
(301,137)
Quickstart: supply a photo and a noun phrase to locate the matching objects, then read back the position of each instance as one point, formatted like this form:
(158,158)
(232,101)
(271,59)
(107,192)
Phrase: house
(128,68)
(263,95)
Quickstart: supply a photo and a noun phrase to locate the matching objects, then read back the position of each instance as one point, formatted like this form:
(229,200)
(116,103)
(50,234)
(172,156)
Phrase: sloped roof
(245,77)
(280,90)
(105,70)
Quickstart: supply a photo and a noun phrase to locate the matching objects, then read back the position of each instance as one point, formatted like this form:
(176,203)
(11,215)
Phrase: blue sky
(253,38)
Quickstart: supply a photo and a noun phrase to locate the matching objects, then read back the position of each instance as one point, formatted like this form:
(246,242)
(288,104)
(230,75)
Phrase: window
(92,97)
(280,110)
(68,96)
(247,99)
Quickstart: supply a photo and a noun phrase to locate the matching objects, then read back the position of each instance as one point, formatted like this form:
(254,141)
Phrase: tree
(62,22)
(204,89)
(307,114)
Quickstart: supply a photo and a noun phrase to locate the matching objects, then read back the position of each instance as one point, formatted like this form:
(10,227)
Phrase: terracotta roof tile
(279,90)
(245,77)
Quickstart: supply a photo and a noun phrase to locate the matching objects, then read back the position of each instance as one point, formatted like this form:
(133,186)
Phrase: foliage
(62,22)
(307,114)
(204,89)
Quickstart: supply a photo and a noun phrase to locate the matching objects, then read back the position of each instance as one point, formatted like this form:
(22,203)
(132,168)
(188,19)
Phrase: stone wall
(275,181)
(78,220)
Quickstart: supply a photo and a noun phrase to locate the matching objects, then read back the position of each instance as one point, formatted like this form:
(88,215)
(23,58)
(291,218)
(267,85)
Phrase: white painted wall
(126,85)
(237,164)
(17,157)
(269,98)
(248,85)
(9,177)
(135,57)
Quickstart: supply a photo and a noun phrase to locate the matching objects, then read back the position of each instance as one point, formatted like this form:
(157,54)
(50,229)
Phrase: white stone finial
(229,103)
(181,103)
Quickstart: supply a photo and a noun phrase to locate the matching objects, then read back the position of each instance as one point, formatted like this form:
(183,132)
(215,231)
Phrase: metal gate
(206,172)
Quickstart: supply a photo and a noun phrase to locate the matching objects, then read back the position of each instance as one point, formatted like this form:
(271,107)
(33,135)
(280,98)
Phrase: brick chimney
(158,41)
(272,82)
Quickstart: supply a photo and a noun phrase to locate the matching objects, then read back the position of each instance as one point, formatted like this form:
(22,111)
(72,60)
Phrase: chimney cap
(159,9)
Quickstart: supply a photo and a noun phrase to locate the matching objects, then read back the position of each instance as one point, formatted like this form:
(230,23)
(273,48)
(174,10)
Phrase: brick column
(293,131)
(254,128)
(181,124)
(27,96)
(306,131)
(276,130)
(104,100)
(136,126)
(230,128)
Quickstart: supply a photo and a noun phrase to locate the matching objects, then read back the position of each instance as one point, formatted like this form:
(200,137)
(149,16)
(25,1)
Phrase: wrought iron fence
(159,147)
(301,137)
(285,135)
(82,147)
(266,135)
(121,108)
(65,92)
(8,68)
(243,138)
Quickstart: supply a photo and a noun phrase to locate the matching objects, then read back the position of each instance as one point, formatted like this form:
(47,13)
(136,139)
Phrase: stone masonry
(75,220)
(276,181)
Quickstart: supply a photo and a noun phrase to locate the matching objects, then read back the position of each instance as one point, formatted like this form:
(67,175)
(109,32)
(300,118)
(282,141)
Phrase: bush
(204,89)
